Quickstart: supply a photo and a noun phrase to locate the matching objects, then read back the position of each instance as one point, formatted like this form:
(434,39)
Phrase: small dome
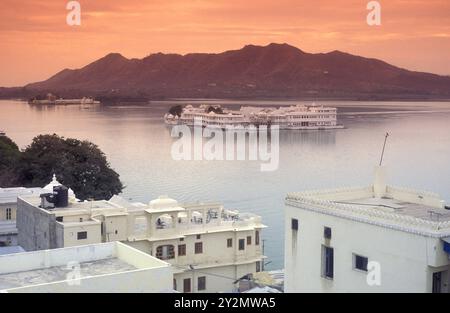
(56,183)
(163,202)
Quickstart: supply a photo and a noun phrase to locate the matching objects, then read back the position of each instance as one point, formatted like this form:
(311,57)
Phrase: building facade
(371,239)
(8,212)
(107,267)
(209,247)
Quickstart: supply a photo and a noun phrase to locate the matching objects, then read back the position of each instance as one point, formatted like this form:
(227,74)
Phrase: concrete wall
(218,279)
(404,257)
(151,274)
(116,228)
(37,228)
(155,280)
(70,234)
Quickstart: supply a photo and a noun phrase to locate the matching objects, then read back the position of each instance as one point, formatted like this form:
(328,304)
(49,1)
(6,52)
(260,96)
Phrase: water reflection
(138,144)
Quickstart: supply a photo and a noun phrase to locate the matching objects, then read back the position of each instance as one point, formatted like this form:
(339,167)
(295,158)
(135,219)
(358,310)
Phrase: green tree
(9,159)
(80,165)
(176,110)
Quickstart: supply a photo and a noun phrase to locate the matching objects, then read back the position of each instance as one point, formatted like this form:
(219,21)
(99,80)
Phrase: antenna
(384,146)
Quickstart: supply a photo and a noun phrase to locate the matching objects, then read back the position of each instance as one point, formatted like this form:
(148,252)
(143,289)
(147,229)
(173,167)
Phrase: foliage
(176,110)
(80,165)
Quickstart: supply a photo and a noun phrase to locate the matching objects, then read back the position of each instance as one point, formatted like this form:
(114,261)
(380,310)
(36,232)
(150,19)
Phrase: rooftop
(81,263)
(60,273)
(9,195)
(74,206)
(405,209)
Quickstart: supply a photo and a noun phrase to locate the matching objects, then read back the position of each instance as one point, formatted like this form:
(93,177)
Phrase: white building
(8,209)
(371,239)
(288,117)
(106,267)
(209,247)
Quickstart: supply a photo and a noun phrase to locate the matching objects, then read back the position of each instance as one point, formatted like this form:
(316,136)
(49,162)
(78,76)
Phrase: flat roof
(35,200)
(392,205)
(9,195)
(60,273)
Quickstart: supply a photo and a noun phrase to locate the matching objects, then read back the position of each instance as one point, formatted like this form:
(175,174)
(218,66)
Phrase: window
(258,267)
(174,284)
(241,244)
(257,237)
(201,283)
(187,285)
(294,224)
(8,214)
(360,262)
(198,247)
(249,240)
(181,250)
(81,220)
(198,236)
(229,243)
(166,252)
(327,232)
(437,282)
(327,262)
(60,219)
(82,235)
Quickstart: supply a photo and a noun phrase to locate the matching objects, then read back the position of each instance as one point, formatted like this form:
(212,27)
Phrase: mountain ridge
(271,71)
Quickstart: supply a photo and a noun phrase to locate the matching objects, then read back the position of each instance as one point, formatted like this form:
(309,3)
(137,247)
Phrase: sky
(36,42)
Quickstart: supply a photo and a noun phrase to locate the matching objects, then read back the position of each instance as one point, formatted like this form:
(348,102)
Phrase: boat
(53,100)
(295,117)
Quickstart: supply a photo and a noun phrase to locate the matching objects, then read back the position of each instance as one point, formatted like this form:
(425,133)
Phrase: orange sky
(36,42)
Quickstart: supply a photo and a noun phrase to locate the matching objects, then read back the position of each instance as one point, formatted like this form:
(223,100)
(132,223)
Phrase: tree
(215,109)
(176,110)
(80,165)
(9,158)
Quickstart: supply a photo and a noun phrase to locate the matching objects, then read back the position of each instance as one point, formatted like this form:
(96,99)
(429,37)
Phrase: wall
(116,227)
(36,227)
(404,257)
(93,234)
(152,275)
(218,279)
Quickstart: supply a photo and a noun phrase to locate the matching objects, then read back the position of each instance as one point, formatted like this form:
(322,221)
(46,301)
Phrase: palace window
(327,262)
(8,214)
(360,262)
(181,250)
(198,247)
(294,224)
(229,243)
(327,232)
(187,285)
(166,252)
(257,237)
(82,235)
(249,240)
(201,283)
(241,244)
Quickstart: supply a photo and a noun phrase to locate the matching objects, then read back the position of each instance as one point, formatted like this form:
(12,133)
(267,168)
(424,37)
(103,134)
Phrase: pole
(384,146)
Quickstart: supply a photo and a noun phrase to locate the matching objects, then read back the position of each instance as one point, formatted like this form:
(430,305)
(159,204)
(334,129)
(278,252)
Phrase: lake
(138,146)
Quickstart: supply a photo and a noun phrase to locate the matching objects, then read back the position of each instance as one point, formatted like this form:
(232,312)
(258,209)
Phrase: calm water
(137,144)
